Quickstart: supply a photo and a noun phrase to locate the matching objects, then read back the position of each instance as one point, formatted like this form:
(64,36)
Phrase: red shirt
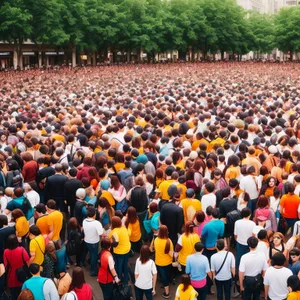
(85,293)
(12,261)
(104,274)
(29,171)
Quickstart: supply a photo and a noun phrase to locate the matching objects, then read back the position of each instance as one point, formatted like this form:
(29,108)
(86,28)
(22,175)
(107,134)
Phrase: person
(42,219)
(36,246)
(185,290)
(14,257)
(209,199)
(145,275)
(82,290)
(41,288)
(92,230)
(5,232)
(190,205)
(26,294)
(21,223)
(252,268)
(277,244)
(293,284)
(55,221)
(294,266)
(223,269)
(185,243)
(276,277)
(106,212)
(121,247)
(163,258)
(197,267)
(242,231)
(107,274)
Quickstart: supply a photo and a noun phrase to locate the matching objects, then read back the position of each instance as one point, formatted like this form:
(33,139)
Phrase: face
(272,182)
(294,258)
(277,240)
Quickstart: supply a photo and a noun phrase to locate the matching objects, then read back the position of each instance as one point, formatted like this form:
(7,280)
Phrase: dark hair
(77,279)
(199,247)
(278,259)
(200,216)
(131,216)
(163,234)
(12,242)
(91,211)
(3,221)
(34,268)
(252,242)
(215,213)
(41,208)
(188,228)
(25,294)
(262,234)
(34,230)
(186,281)
(73,224)
(51,204)
(246,212)
(105,243)
(17,213)
(116,222)
(220,244)
(209,210)
(210,187)
(295,251)
(262,201)
(294,283)
(145,254)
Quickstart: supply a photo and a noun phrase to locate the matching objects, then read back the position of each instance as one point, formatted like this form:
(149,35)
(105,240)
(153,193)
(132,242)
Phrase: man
(54,188)
(223,269)
(176,222)
(290,205)
(5,231)
(70,188)
(242,231)
(36,245)
(209,198)
(162,191)
(42,219)
(251,270)
(30,168)
(252,160)
(190,205)
(276,277)
(197,266)
(55,222)
(92,231)
(41,288)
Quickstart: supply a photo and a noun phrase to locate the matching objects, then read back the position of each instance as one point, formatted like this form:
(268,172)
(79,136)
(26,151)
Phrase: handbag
(23,273)
(122,291)
(283,225)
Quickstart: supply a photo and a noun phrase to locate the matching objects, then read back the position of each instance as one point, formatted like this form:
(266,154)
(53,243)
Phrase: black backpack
(232,217)
(17,179)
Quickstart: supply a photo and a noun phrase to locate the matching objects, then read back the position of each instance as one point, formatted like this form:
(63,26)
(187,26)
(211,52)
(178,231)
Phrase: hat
(142,159)
(273,149)
(105,184)
(80,193)
(172,190)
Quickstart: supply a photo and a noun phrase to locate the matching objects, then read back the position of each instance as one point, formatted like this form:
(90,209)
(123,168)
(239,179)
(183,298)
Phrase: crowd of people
(138,174)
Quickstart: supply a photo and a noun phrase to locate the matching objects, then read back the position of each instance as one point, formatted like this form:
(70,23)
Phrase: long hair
(131,216)
(77,279)
(163,234)
(145,254)
(186,281)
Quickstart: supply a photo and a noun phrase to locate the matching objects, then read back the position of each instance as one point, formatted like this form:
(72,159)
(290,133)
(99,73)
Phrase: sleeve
(153,268)
(207,268)
(188,266)
(32,246)
(179,242)
(50,291)
(111,262)
(235,227)
(137,264)
(212,263)
(99,228)
(10,205)
(266,278)
(242,265)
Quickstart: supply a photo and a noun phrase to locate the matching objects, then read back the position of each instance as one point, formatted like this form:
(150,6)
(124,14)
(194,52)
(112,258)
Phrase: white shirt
(263,248)
(297,190)
(92,230)
(274,203)
(3,203)
(216,262)
(243,229)
(257,229)
(253,263)
(248,185)
(276,279)
(208,200)
(145,272)
(33,197)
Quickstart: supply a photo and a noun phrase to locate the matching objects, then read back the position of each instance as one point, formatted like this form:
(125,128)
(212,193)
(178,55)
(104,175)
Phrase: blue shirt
(211,232)
(295,268)
(197,266)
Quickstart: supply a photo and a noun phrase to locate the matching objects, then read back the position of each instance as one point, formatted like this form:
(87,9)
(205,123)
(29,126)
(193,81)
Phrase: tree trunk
(40,59)
(291,55)
(94,56)
(222,55)
(15,59)
(73,57)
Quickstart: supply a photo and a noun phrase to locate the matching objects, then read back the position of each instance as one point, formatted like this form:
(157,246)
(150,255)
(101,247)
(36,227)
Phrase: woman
(263,209)
(14,258)
(120,241)
(151,222)
(232,170)
(275,202)
(94,178)
(107,273)
(277,244)
(236,191)
(185,290)
(14,177)
(186,242)
(163,258)
(294,266)
(118,191)
(132,223)
(82,290)
(269,187)
(293,284)
(219,182)
(145,275)
(106,212)
(200,220)
(22,225)
(75,240)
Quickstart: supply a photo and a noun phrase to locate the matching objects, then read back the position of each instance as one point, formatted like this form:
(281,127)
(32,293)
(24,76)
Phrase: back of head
(34,268)
(26,294)
(252,242)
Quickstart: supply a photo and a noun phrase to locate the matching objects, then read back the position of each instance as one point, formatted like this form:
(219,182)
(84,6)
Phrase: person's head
(220,244)
(145,254)
(153,207)
(262,201)
(199,247)
(116,222)
(34,269)
(293,283)
(51,205)
(77,278)
(3,221)
(34,231)
(12,242)
(252,242)
(73,172)
(17,213)
(209,187)
(18,192)
(209,210)
(131,216)
(73,224)
(26,294)
(58,168)
(246,212)
(271,181)
(295,254)
(91,212)
(200,216)
(278,238)
(105,243)
(262,234)
(278,259)
(80,193)
(188,227)
(163,232)
(215,213)
(290,188)
(185,281)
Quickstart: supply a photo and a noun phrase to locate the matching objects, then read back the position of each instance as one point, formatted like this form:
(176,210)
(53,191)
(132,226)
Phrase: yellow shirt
(182,190)
(134,231)
(187,243)
(42,224)
(232,172)
(189,294)
(109,197)
(197,143)
(190,207)
(22,226)
(180,165)
(55,219)
(119,166)
(121,235)
(293,296)
(37,245)
(162,259)
(163,188)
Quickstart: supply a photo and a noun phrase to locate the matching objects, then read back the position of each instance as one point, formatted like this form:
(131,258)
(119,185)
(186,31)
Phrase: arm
(49,290)
(266,291)
(241,277)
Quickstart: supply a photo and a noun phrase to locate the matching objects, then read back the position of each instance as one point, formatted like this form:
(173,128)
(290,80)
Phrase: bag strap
(39,246)
(217,272)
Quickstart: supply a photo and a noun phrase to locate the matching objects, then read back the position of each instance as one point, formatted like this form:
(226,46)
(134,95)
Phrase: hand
(117,280)
(153,292)
(242,288)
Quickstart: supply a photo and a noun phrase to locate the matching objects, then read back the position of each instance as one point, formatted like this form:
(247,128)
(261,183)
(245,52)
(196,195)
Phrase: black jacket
(139,199)
(70,188)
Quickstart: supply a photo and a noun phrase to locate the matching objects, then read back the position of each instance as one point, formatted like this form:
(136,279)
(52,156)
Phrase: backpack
(231,218)
(27,208)
(74,244)
(17,180)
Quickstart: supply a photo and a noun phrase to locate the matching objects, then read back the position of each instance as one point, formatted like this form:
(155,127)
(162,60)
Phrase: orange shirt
(290,204)
(42,224)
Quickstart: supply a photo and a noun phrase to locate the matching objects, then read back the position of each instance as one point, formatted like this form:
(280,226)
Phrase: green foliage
(150,25)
